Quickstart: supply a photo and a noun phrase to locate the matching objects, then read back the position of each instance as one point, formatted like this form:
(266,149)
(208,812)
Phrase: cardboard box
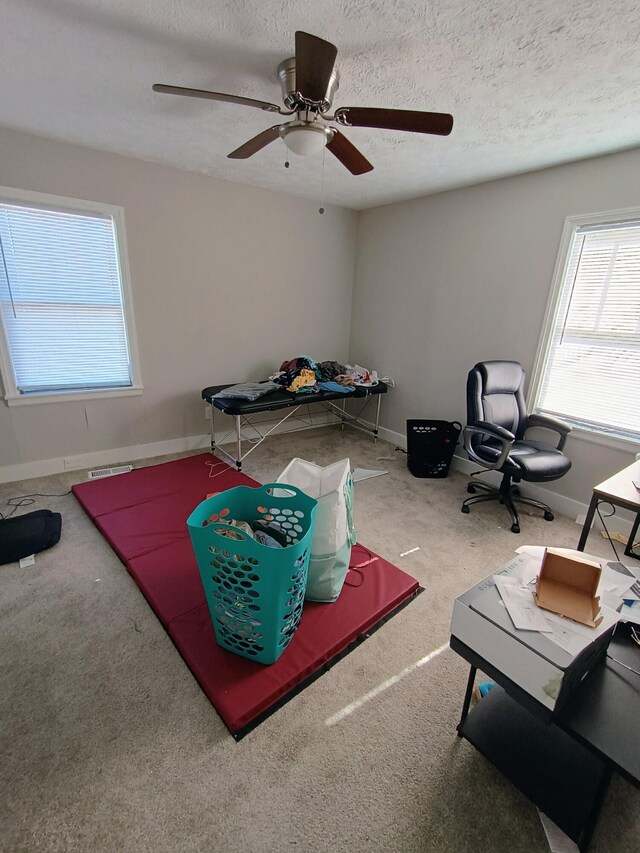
(532,661)
(568,585)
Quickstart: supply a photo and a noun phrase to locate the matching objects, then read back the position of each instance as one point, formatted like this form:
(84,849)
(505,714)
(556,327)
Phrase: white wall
(227,281)
(446,281)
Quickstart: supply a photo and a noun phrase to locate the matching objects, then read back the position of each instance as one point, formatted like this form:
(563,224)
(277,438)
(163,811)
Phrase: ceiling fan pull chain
(322,184)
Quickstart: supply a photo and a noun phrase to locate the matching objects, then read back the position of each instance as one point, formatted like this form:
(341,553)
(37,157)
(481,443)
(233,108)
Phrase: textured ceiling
(530,84)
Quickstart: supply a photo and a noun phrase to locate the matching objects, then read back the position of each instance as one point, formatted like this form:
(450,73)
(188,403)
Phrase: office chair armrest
(494,430)
(500,434)
(546,422)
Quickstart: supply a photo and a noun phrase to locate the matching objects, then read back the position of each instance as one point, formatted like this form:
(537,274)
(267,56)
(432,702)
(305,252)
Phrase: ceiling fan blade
(254,145)
(315,59)
(216,96)
(411,120)
(348,154)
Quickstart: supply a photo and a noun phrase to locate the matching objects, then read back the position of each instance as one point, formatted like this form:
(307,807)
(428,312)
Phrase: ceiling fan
(309,81)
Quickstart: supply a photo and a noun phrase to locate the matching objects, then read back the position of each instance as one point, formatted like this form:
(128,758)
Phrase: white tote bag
(333,534)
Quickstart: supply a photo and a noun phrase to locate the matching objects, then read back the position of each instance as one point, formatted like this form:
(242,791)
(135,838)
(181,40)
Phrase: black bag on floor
(430,446)
(28,534)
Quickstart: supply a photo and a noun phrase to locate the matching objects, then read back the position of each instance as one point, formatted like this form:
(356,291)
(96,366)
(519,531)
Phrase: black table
(242,410)
(563,767)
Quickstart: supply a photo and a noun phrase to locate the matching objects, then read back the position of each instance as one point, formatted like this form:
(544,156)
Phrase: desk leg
(587,832)
(467,699)
(632,538)
(586,527)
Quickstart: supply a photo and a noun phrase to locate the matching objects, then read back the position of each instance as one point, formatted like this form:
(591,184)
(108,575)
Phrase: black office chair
(494,437)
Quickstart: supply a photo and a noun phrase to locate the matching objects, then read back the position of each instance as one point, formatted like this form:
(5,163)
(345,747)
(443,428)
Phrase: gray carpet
(108,743)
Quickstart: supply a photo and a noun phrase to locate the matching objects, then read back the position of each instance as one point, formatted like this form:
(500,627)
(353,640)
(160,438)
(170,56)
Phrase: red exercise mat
(143,514)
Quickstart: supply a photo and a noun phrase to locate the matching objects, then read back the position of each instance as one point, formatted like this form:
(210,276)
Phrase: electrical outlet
(207,413)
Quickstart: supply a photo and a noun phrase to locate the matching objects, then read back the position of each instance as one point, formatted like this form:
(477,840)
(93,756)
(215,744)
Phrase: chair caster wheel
(471,489)
(465,510)
(548,516)
(515,528)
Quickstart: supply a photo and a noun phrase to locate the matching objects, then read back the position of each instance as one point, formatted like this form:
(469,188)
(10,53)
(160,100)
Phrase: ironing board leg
(212,410)
(238,444)
(375,431)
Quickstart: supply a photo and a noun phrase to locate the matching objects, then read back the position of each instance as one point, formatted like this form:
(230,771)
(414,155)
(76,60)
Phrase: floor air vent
(109,472)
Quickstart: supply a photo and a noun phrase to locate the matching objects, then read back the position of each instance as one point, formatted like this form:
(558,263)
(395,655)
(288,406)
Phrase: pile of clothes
(267,533)
(306,375)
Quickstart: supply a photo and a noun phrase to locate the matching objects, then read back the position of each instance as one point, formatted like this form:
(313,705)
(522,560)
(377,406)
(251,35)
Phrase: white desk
(618,490)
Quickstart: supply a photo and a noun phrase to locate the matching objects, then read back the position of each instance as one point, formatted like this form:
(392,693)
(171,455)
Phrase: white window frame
(571,225)
(73,205)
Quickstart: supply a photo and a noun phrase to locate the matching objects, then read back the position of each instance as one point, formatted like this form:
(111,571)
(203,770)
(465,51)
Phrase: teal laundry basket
(255,593)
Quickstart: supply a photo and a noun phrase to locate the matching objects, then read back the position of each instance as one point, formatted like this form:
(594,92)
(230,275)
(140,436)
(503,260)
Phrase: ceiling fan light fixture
(305,139)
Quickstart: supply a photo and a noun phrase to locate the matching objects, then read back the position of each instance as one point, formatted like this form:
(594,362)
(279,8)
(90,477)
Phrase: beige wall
(227,282)
(448,280)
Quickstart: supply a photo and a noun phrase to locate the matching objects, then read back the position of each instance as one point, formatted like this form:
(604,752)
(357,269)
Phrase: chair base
(508,494)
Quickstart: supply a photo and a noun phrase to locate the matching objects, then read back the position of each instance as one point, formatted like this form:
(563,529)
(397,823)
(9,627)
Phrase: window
(588,366)
(65,304)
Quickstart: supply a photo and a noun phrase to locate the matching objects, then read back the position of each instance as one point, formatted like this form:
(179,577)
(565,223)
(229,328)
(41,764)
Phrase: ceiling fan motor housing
(291,97)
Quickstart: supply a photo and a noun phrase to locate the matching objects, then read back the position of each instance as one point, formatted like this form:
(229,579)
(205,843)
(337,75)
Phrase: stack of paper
(617,585)
(521,606)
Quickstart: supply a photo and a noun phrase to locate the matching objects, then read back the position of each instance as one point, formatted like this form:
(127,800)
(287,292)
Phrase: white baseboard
(101,458)
(391,436)
(120,455)
(561,504)
(557,502)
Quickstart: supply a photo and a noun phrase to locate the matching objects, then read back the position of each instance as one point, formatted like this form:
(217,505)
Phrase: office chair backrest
(495,393)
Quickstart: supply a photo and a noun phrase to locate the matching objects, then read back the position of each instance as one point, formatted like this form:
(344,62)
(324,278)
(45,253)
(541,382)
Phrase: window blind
(592,371)
(61,300)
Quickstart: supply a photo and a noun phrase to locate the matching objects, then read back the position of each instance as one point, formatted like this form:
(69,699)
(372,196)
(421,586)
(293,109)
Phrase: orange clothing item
(305,377)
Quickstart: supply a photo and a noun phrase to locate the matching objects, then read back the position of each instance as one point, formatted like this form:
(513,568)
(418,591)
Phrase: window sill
(612,441)
(72,396)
